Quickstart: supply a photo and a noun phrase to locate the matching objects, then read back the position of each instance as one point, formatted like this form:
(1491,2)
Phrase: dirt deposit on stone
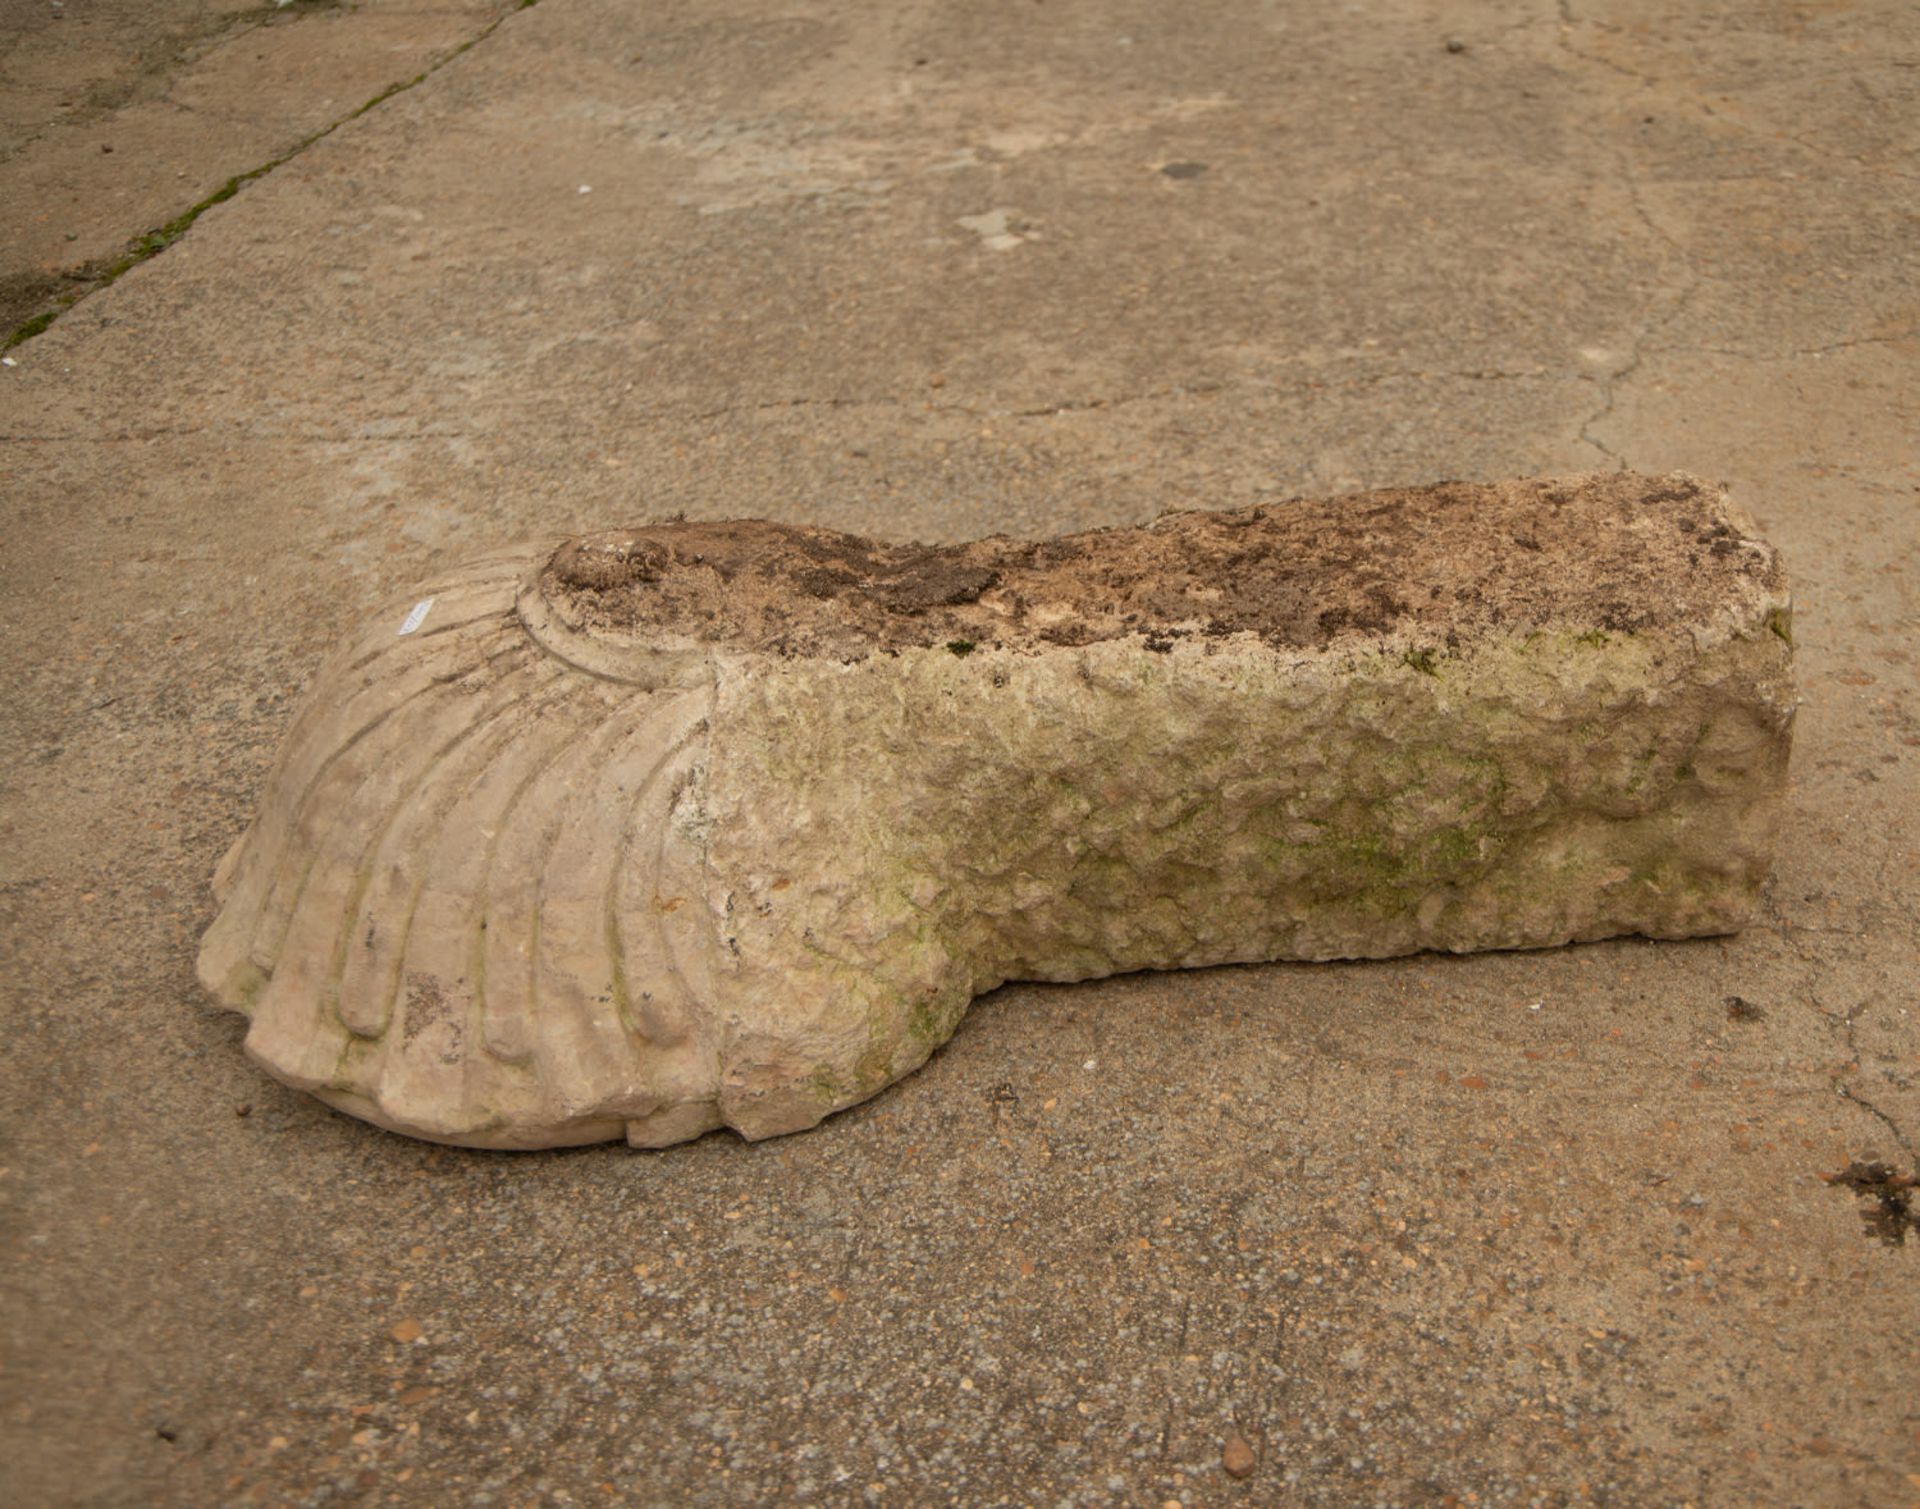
(1613,552)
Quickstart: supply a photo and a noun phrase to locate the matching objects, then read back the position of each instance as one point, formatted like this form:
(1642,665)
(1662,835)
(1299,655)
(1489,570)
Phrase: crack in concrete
(102,100)
(1848,1093)
(971,411)
(1643,344)
(1609,396)
(371,434)
(1845,1091)
(1611,382)
(144,248)
(1568,21)
(1641,350)
(1850,159)
(1469,374)
(1092,405)
(1798,354)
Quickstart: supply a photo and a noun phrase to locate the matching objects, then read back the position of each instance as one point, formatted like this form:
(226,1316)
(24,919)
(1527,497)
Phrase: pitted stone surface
(692,825)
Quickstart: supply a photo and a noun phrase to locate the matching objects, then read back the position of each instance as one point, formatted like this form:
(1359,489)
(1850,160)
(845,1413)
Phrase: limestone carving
(698,825)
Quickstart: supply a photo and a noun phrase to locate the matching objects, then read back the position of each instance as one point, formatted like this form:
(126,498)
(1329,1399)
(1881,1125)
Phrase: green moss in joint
(32,327)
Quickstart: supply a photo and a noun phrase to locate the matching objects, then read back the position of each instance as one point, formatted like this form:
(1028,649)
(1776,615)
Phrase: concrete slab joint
(697,825)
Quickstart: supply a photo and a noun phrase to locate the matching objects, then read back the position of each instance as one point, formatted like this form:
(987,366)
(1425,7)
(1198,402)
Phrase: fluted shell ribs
(701,825)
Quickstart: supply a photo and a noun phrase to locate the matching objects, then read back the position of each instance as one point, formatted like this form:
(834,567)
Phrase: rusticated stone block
(697,825)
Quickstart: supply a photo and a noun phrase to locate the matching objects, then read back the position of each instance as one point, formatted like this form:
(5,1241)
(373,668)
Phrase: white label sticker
(418,616)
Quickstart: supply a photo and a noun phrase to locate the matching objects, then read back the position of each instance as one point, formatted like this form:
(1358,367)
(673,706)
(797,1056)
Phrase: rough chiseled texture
(694,825)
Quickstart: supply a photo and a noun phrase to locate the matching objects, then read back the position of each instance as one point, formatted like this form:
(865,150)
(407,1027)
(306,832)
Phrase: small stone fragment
(1237,1457)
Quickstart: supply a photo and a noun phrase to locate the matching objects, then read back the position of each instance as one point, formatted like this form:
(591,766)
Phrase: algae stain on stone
(245,984)
(875,1068)
(825,1087)
(1642,764)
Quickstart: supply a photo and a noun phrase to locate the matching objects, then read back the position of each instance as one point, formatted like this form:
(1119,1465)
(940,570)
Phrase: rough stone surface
(686,826)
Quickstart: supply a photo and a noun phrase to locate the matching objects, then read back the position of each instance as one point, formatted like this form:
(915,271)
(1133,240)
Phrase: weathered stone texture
(694,825)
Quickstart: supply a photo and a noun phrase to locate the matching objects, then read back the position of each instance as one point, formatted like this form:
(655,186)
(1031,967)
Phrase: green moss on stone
(245,984)
(926,1024)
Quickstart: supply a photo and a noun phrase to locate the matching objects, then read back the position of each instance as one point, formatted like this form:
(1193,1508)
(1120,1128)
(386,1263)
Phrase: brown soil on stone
(1614,552)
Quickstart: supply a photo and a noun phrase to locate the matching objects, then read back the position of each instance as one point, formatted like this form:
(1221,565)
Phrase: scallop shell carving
(433,925)
(703,825)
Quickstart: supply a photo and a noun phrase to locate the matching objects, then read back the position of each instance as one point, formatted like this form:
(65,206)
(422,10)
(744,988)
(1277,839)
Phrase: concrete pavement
(1514,1228)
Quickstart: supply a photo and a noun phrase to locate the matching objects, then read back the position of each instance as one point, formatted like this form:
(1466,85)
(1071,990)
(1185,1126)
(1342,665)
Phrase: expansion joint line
(157,240)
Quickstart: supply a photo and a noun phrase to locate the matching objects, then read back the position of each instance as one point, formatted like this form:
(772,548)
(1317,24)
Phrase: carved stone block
(695,825)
